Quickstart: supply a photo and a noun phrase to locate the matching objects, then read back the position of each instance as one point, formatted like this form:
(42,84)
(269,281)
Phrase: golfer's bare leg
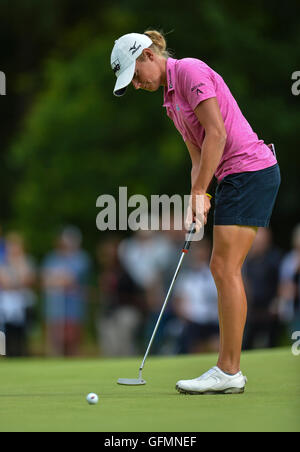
(231,246)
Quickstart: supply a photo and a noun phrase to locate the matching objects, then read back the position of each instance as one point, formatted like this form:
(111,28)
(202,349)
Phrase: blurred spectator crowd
(55,305)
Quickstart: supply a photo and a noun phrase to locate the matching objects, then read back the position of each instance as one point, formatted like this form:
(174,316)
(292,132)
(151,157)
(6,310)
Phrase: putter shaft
(184,252)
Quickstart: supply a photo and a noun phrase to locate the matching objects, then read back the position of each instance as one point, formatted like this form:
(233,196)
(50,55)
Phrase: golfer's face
(147,75)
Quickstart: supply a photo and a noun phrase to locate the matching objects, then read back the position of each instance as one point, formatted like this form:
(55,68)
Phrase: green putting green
(49,395)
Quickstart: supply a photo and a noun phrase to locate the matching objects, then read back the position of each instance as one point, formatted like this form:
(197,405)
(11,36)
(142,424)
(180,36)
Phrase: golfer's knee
(222,270)
(216,268)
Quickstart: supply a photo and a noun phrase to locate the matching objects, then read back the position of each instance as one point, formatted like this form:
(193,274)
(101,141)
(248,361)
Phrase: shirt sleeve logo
(196,88)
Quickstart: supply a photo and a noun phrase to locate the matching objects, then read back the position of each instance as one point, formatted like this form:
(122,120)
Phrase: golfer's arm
(210,117)
(195,154)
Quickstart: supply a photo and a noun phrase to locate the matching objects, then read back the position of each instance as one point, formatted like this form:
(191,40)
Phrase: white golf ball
(92,399)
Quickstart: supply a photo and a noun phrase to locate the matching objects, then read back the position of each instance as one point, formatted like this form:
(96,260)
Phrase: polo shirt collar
(170,69)
(171,74)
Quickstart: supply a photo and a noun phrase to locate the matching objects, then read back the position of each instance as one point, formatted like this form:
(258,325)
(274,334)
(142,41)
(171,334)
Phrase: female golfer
(222,143)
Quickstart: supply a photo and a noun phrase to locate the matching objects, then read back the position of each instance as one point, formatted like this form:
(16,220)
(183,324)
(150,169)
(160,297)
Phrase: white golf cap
(123,57)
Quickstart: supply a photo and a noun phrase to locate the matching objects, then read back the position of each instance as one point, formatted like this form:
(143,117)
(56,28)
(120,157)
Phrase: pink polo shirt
(190,81)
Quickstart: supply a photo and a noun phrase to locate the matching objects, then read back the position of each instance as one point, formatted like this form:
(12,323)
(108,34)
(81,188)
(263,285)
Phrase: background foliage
(66,139)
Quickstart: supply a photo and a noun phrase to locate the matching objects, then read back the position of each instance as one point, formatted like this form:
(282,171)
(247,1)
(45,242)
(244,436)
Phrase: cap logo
(116,66)
(134,48)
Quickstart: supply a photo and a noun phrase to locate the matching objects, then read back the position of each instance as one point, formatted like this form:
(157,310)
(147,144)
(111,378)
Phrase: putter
(139,381)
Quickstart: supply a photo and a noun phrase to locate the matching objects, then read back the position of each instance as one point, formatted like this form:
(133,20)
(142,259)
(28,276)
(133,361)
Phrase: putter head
(131,381)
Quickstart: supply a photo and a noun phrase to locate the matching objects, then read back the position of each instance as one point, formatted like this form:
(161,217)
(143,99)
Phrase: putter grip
(187,244)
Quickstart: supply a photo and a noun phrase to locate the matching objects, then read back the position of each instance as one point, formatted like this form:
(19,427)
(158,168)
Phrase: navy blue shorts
(247,198)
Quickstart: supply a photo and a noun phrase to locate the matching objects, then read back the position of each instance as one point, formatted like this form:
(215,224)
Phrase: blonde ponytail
(159,45)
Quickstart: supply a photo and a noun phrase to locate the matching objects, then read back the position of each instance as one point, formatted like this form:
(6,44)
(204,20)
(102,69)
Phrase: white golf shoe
(215,381)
